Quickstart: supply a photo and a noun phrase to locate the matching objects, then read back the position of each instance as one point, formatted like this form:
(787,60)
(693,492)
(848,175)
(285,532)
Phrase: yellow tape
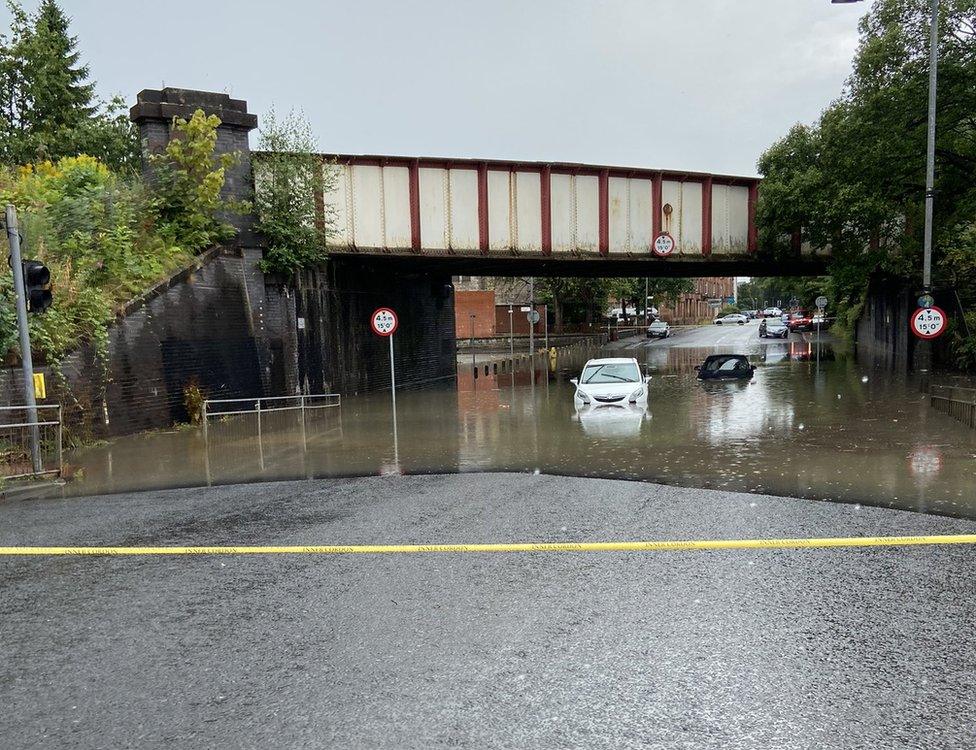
(374,549)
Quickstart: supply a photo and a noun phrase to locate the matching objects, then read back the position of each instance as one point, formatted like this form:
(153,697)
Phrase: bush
(729,310)
(106,239)
(288,177)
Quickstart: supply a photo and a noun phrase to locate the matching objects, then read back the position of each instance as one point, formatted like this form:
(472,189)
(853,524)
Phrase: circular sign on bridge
(821,302)
(929,322)
(533,316)
(663,245)
(384,322)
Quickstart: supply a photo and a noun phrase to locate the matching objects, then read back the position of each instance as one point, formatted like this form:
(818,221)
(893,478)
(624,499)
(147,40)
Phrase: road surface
(815,648)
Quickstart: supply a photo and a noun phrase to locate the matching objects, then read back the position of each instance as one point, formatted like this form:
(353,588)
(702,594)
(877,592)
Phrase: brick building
(692,307)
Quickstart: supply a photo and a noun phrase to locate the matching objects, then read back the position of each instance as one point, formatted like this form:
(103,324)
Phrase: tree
(187,182)
(855,180)
(573,299)
(47,104)
(289,177)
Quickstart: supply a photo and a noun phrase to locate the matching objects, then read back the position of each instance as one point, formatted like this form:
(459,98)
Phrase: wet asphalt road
(839,648)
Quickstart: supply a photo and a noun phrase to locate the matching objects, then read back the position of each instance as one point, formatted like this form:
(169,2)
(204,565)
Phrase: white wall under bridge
(503,210)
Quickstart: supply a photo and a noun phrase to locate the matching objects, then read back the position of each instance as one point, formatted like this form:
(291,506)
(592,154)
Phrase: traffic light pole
(27,364)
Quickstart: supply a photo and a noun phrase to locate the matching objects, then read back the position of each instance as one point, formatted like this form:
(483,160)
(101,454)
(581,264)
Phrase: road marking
(374,549)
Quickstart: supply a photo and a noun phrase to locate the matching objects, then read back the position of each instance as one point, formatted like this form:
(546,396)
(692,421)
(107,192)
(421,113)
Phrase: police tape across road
(379,549)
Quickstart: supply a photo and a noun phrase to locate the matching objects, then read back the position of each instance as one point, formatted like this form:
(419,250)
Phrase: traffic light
(37,286)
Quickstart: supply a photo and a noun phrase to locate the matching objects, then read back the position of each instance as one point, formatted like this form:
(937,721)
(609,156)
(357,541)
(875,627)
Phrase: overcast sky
(679,84)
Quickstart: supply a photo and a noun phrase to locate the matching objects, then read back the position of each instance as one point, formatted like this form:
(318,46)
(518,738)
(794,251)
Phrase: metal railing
(268,425)
(18,436)
(958,403)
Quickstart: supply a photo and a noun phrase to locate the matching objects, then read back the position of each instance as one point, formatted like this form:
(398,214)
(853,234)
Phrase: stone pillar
(154,111)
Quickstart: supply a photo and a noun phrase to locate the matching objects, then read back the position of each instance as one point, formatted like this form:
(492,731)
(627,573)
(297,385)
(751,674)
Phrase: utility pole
(531,322)
(930,150)
(646,316)
(923,351)
(27,364)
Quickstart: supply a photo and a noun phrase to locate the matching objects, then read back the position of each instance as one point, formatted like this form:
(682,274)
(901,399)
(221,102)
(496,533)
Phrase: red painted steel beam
(604,199)
(483,207)
(753,233)
(414,186)
(656,205)
(545,192)
(706,241)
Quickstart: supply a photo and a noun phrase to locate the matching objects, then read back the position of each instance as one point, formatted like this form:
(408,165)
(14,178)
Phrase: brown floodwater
(822,427)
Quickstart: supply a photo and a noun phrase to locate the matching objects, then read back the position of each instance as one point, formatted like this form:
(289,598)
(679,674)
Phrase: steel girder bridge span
(468,216)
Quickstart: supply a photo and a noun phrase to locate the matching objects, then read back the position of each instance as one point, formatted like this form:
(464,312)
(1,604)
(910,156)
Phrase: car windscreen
(618,372)
(726,364)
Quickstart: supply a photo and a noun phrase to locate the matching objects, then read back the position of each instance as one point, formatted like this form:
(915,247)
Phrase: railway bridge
(398,228)
(491,217)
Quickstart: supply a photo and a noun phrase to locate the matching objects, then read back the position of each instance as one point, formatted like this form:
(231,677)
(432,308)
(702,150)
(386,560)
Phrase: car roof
(611,361)
(726,356)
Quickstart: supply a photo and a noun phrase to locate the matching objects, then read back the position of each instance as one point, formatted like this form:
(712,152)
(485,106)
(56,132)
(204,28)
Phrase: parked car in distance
(658,329)
(725,367)
(751,314)
(800,321)
(731,319)
(612,381)
(772,312)
(773,328)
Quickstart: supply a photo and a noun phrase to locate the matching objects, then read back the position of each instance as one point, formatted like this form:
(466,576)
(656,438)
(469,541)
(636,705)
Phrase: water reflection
(824,429)
(614,421)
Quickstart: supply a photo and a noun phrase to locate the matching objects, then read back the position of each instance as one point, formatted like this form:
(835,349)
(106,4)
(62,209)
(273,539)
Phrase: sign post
(821,306)
(27,365)
(384,322)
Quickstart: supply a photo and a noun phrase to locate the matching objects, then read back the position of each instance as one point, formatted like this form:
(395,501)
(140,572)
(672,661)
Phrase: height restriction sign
(383,322)
(929,322)
(663,245)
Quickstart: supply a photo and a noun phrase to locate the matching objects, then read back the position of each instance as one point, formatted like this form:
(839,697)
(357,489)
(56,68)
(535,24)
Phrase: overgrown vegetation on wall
(68,163)
(289,176)
(855,180)
(107,237)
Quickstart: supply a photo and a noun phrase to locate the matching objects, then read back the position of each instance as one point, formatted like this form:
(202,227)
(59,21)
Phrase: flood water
(824,428)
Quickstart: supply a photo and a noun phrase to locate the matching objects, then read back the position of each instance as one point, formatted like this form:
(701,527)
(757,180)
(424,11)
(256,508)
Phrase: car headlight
(583,397)
(636,394)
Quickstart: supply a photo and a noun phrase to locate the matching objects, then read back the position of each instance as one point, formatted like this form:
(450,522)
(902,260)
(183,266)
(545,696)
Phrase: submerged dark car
(725,367)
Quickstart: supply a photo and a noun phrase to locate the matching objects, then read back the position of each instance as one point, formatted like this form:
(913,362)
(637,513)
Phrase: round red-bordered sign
(663,245)
(384,321)
(929,322)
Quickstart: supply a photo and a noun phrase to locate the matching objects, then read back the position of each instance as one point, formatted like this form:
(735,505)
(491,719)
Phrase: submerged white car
(607,382)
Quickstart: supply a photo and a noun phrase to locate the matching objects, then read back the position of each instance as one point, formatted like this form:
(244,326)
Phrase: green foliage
(759,293)
(47,105)
(855,180)
(288,177)
(89,227)
(187,182)
(573,300)
(193,398)
(729,310)
(107,238)
(584,300)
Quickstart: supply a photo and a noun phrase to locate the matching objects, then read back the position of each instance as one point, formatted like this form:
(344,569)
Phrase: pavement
(809,648)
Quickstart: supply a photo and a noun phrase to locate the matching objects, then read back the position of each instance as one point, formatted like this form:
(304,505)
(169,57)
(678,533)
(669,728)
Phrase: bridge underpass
(400,227)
